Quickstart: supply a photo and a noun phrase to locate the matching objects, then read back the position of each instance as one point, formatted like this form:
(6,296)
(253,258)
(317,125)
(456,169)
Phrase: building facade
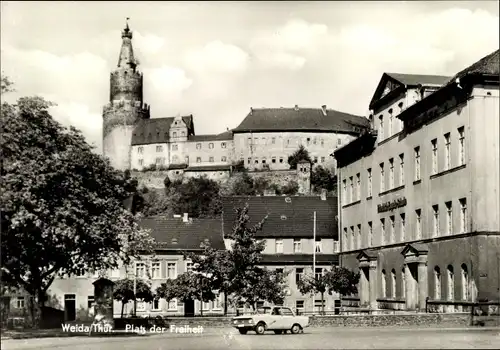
(291,245)
(419,194)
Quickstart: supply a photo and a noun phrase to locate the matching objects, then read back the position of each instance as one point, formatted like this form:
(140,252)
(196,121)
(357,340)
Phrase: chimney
(227,129)
(323,108)
(296,107)
(323,194)
(251,110)
(185,218)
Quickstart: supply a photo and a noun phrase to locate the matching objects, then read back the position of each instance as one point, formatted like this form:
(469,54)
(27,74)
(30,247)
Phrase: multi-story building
(174,236)
(289,236)
(266,137)
(419,194)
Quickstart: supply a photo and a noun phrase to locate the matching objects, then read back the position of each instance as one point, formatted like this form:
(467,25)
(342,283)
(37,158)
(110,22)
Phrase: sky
(215,60)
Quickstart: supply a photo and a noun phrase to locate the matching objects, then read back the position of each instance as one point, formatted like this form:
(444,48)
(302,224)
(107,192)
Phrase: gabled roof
(301,119)
(490,64)
(156,130)
(416,248)
(356,149)
(393,84)
(173,233)
(292,217)
(367,254)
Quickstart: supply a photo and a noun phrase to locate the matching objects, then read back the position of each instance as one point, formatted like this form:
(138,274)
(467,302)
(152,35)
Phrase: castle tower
(304,176)
(125,107)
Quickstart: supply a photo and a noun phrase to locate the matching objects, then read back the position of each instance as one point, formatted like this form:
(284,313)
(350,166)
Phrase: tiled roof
(173,233)
(209,168)
(287,218)
(155,130)
(301,119)
(227,135)
(299,259)
(489,64)
(419,79)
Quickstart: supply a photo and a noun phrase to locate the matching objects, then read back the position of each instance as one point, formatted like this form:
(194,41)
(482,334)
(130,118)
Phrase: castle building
(419,194)
(264,139)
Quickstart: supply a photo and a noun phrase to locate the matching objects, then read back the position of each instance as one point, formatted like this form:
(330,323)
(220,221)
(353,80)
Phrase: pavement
(312,338)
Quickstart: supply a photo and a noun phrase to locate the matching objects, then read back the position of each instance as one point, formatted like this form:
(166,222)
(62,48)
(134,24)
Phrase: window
(463,215)
(223,159)
(141,305)
(382,231)
(211,159)
(369,182)
(336,246)
(141,162)
(359,236)
(256,140)
(223,145)
(299,272)
(322,142)
(186,159)
(90,304)
(381,127)
(322,159)
(159,148)
(273,160)
(435,211)
(461,146)
(351,189)
(339,142)
(315,159)
(465,282)
(358,186)
(273,140)
(391,173)
(183,133)
(299,306)
(155,270)
(198,159)
(418,224)
(382,178)
(140,150)
(198,146)
(172,305)
(297,248)
(279,246)
(175,159)
(401,169)
(216,303)
(451,283)
(174,147)
(434,146)
(352,239)
(158,160)
(390,125)
(403,284)
(256,161)
(189,266)
(20,304)
(370,233)
(318,246)
(281,159)
(174,134)
(205,305)
(417,163)
(308,140)
(155,305)
(344,190)
(447,151)
(392,234)
(345,247)
(249,140)
(140,270)
(318,273)
(171,270)
(393,283)
(115,273)
(383,284)
(210,145)
(402,222)
(249,160)
(449,218)
(437,283)
(264,160)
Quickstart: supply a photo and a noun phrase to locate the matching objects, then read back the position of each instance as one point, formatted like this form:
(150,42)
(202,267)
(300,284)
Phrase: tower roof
(126,59)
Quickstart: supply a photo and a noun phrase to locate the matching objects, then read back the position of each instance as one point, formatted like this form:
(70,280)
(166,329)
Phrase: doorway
(70,307)
(412,287)
(189,308)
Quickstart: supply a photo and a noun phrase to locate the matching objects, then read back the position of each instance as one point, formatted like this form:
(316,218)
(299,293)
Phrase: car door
(287,319)
(273,320)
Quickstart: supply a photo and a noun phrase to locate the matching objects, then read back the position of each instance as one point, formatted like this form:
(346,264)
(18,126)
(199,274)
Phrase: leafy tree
(276,188)
(244,186)
(297,156)
(6,84)
(338,279)
(291,188)
(62,205)
(260,185)
(239,166)
(124,291)
(322,178)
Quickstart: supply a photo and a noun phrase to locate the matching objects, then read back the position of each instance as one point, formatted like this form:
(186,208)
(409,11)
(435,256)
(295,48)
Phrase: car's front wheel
(295,329)
(243,330)
(260,328)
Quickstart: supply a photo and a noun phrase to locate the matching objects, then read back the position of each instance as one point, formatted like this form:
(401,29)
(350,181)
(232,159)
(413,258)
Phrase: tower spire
(126,59)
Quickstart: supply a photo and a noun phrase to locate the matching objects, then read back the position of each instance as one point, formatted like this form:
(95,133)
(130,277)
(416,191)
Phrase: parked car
(279,319)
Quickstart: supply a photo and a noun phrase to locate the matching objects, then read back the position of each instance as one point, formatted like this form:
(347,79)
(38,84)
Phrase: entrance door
(412,287)
(70,307)
(189,308)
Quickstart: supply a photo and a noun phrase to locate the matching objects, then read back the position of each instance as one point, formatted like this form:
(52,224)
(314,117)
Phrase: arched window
(465,282)
(384,284)
(393,283)
(437,283)
(451,283)
(403,284)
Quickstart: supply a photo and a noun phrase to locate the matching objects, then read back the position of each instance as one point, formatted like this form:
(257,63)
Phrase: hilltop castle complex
(263,141)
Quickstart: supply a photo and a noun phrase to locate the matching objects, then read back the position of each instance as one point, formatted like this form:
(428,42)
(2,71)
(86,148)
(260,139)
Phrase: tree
(6,84)
(243,186)
(167,182)
(291,188)
(260,185)
(62,205)
(297,156)
(322,178)
(124,292)
(338,279)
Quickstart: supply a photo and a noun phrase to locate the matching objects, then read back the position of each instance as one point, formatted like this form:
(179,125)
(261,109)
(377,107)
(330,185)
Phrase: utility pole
(135,289)
(314,253)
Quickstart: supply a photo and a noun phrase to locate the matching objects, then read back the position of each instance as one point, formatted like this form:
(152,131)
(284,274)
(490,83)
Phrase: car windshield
(263,310)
